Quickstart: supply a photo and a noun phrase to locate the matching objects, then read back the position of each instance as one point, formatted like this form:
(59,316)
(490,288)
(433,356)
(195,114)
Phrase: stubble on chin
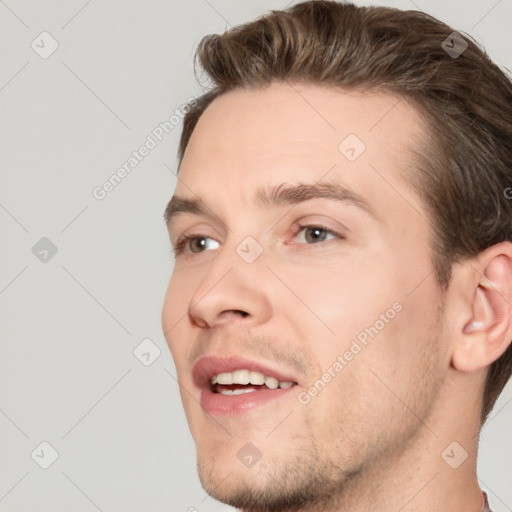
(289,484)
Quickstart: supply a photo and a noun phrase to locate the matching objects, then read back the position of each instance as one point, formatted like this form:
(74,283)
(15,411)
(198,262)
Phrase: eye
(195,244)
(314,234)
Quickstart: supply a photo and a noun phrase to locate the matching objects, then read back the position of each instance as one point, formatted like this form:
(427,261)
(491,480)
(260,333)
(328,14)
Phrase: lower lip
(218,404)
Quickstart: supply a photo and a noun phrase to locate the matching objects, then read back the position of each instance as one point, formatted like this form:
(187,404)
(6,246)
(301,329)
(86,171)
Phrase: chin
(271,485)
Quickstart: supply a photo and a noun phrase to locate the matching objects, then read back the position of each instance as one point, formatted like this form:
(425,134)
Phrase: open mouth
(243,381)
(233,385)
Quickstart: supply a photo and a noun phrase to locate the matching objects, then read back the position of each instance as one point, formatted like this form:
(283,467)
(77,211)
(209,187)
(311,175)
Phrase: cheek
(365,398)
(174,325)
(174,312)
(367,315)
(339,300)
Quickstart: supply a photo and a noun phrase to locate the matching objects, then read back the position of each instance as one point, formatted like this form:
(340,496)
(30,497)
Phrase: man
(340,310)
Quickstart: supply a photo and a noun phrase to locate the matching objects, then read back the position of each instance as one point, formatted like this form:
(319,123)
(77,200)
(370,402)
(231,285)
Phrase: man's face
(337,297)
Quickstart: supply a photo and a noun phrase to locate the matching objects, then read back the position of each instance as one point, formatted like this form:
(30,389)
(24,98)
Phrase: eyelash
(185,239)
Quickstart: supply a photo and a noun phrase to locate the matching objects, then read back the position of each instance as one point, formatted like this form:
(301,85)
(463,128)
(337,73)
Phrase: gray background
(70,324)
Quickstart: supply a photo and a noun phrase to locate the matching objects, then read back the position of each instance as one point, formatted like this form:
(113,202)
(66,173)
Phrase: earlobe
(486,335)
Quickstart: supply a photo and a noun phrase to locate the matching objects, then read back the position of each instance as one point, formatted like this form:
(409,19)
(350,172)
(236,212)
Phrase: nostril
(199,322)
(238,312)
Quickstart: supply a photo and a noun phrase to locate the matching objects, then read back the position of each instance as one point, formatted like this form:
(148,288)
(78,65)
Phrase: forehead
(304,133)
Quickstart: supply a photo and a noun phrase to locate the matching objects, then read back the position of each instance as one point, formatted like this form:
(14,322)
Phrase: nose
(231,292)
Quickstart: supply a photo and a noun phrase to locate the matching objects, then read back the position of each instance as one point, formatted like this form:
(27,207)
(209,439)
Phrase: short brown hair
(461,172)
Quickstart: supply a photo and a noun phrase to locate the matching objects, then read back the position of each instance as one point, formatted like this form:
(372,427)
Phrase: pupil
(317,234)
(199,244)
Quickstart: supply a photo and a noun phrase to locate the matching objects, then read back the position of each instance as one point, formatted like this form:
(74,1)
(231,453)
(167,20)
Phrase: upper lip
(208,366)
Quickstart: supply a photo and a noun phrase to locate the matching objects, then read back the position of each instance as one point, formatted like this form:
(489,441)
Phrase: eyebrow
(279,196)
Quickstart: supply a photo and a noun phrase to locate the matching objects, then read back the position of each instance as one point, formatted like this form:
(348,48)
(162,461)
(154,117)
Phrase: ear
(485,330)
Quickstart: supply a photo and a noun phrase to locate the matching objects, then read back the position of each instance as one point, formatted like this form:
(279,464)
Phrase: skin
(372,439)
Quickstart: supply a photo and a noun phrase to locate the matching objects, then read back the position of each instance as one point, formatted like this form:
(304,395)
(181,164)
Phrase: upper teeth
(248,377)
